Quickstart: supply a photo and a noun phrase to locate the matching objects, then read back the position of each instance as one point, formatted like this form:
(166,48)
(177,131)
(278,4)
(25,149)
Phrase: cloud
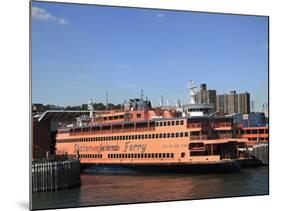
(43,15)
(160,15)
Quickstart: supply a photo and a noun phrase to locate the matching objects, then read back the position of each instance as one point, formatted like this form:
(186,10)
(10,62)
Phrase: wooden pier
(54,175)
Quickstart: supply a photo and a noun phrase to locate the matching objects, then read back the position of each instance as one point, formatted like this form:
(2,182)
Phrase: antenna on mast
(141,94)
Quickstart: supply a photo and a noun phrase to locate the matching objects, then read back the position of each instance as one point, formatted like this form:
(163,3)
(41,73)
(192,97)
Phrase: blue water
(121,189)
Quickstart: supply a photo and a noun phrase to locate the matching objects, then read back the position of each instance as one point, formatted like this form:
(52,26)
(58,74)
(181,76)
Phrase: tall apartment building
(206,96)
(233,103)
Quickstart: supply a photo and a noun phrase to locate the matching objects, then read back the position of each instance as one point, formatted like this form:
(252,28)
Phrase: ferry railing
(224,136)
(113,131)
(222,125)
(194,125)
(195,138)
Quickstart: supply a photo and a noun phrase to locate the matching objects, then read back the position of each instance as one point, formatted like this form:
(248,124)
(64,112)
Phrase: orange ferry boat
(146,139)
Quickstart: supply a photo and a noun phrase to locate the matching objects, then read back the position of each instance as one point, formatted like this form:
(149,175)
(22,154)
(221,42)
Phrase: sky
(80,51)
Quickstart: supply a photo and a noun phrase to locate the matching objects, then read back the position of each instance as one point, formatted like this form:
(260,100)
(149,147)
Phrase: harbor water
(123,189)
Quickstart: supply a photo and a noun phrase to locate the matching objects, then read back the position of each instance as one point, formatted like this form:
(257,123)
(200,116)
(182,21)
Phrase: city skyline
(79,52)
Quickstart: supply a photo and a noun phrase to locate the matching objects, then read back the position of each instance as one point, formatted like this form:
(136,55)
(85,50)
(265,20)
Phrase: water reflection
(118,189)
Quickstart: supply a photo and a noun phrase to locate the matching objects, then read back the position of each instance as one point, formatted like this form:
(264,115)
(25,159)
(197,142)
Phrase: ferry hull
(228,166)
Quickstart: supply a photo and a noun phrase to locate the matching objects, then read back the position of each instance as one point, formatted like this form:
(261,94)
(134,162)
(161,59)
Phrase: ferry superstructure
(143,138)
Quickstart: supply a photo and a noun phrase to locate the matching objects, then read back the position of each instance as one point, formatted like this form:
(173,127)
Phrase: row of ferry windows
(170,123)
(142,155)
(129,137)
(90,155)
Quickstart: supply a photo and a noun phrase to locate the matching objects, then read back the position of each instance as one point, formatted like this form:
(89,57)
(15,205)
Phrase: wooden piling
(48,176)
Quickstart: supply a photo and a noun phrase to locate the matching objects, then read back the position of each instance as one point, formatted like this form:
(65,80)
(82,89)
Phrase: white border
(15,102)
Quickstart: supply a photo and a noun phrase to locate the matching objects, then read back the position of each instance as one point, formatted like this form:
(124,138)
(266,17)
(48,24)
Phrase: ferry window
(266,130)
(164,123)
(115,117)
(172,155)
(135,156)
(138,115)
(141,155)
(156,135)
(110,118)
(168,135)
(123,156)
(153,135)
(127,137)
(156,155)
(148,155)
(168,155)
(173,122)
(164,155)
(145,136)
(261,131)
(139,136)
(186,134)
(161,123)
(152,155)
(177,134)
(181,122)
(182,154)
(100,155)
(119,156)
(142,136)
(126,155)
(168,123)
(172,135)
(177,122)
(133,137)
(149,136)
(160,135)
(124,137)
(160,155)
(254,131)
(138,155)
(157,124)
(145,155)
(129,155)
(121,116)
(109,155)
(164,135)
